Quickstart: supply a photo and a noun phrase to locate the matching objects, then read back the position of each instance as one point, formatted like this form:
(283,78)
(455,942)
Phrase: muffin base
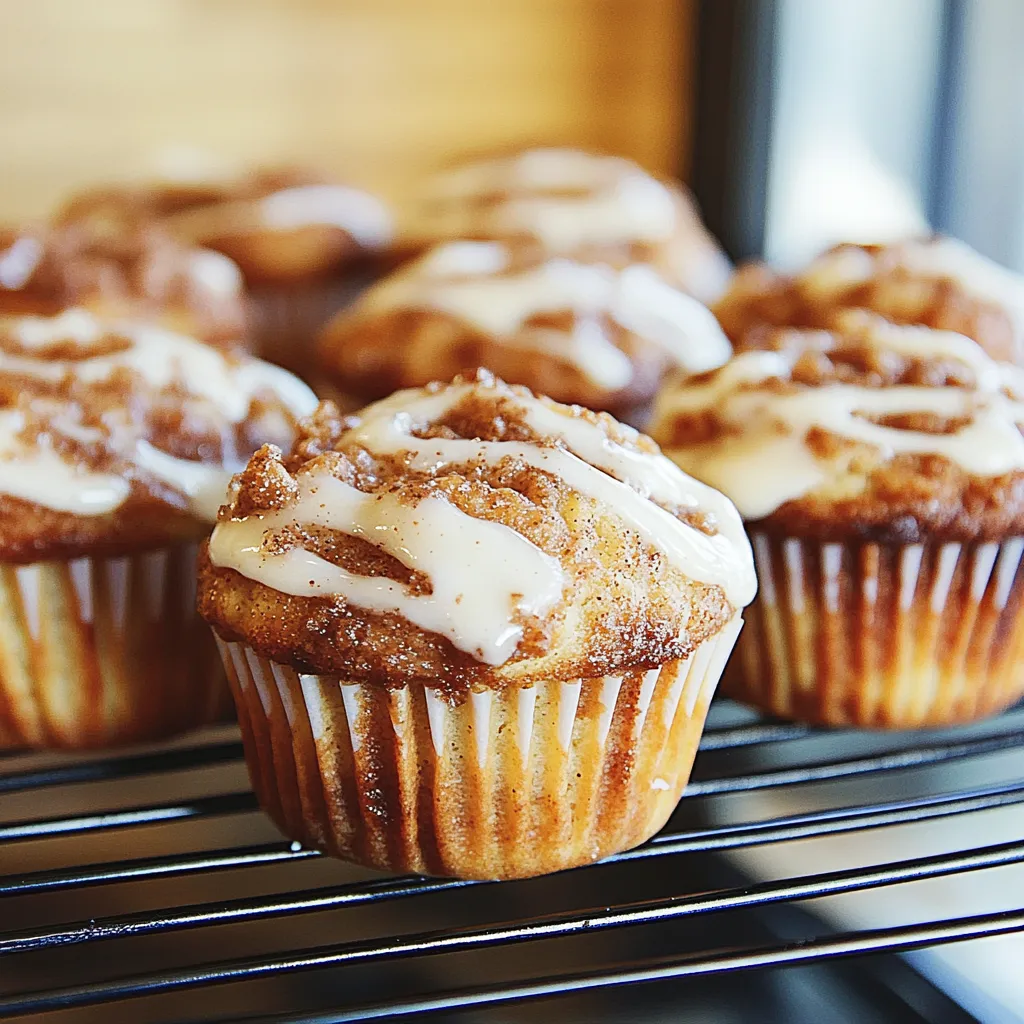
(500,784)
(97,652)
(284,320)
(882,636)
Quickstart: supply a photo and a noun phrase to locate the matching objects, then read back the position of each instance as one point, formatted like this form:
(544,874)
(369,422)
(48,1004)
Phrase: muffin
(936,282)
(303,243)
(880,470)
(472,632)
(572,203)
(138,272)
(117,442)
(585,333)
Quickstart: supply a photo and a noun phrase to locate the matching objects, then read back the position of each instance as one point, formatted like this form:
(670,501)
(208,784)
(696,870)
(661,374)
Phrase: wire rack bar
(233,803)
(102,821)
(898,940)
(155,867)
(129,766)
(828,771)
(759,732)
(799,826)
(209,755)
(549,926)
(327,898)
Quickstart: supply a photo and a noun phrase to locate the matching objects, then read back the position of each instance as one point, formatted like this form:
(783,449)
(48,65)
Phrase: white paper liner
(890,636)
(498,784)
(102,651)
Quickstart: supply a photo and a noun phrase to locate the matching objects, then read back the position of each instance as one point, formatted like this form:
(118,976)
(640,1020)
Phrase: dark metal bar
(719,838)
(203,756)
(801,826)
(820,772)
(550,926)
(914,757)
(759,732)
(733,119)
(945,114)
(101,821)
(154,867)
(893,940)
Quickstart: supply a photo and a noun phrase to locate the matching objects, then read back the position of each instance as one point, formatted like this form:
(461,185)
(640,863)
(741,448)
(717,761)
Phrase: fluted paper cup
(284,320)
(493,784)
(103,651)
(889,636)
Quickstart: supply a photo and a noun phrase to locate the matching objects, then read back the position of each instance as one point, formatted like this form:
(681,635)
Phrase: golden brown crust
(623,606)
(122,270)
(902,498)
(374,355)
(227,216)
(884,279)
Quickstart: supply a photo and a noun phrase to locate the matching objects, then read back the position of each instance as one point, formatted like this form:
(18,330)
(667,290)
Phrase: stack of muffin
(469,630)
(579,276)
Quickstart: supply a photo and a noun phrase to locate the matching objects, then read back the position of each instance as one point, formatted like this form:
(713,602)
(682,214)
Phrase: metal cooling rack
(147,887)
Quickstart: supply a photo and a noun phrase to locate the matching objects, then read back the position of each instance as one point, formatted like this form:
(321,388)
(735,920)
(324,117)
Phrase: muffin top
(580,332)
(137,272)
(117,435)
(580,204)
(935,282)
(878,430)
(277,224)
(472,533)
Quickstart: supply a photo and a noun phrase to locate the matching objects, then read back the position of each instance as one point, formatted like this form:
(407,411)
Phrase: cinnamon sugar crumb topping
(491,499)
(98,411)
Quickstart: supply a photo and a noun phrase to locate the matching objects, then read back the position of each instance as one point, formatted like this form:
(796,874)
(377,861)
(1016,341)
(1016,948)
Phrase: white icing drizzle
(769,462)
(204,485)
(982,277)
(937,259)
(18,262)
(630,482)
(563,197)
(926,344)
(159,356)
(362,215)
(34,472)
(470,281)
(215,272)
(485,577)
(546,168)
(38,474)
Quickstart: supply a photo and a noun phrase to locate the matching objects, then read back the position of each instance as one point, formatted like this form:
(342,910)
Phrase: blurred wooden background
(376,90)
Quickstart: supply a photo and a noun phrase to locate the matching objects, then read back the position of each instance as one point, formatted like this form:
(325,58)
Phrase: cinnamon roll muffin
(584,333)
(140,273)
(880,469)
(935,282)
(472,632)
(571,203)
(304,243)
(117,443)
